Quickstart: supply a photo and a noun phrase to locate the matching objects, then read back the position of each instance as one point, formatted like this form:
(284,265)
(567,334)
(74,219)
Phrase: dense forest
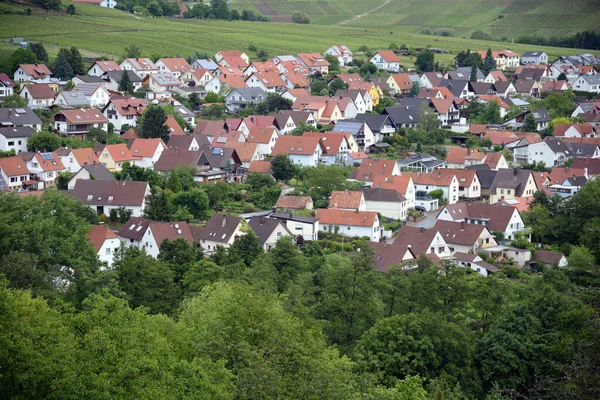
(315,321)
(581,40)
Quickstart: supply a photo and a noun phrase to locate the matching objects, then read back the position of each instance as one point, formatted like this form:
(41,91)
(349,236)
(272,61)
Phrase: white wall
(19,144)
(394,210)
(107,251)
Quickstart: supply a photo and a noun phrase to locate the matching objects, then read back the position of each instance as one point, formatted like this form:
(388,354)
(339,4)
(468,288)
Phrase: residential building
(386,60)
(350,223)
(549,259)
(534,57)
(314,62)
(161,82)
(335,146)
(124,112)
(141,66)
(347,200)
(148,151)
(269,230)
(440,179)
(265,137)
(306,228)
(95,171)
(240,98)
(112,79)
(106,243)
(474,262)
(17,117)
(402,184)
(551,152)
(38,96)
(44,167)
(13,173)
(370,169)
(422,241)
(78,121)
(112,156)
(75,159)
(301,150)
(221,230)
(37,73)
(391,255)
(511,183)
(7,86)
(294,203)
(504,58)
(98,68)
(465,238)
(388,202)
(105,196)
(341,52)
(15,138)
(173,66)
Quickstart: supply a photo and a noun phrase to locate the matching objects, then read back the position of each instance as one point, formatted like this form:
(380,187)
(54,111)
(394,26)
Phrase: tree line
(581,40)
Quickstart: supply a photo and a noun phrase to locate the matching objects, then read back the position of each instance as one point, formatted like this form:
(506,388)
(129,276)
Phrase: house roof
(261,134)
(49,161)
(16,132)
(176,64)
(402,80)
(13,166)
(118,75)
(171,231)
(375,121)
(82,116)
(5,81)
(349,79)
(244,150)
(388,55)
(36,70)
(98,235)
(333,216)
(145,147)
(41,91)
(119,152)
(331,141)
(464,176)
(498,75)
(85,155)
(458,155)
(499,216)
(99,172)
(141,64)
(128,106)
(234,81)
(435,78)
(220,227)
(511,178)
(584,129)
(298,145)
(264,227)
(134,229)
(369,169)
(548,257)
(174,128)
(313,59)
(270,79)
(404,114)
(260,166)
(208,127)
(520,203)
(499,53)
(417,239)
(74,98)
(107,65)
(398,183)
(387,255)
(163,79)
(558,146)
(459,232)
(118,193)
(476,260)
(383,195)
(583,149)
(493,159)
(345,199)
(293,202)
(559,174)
(172,158)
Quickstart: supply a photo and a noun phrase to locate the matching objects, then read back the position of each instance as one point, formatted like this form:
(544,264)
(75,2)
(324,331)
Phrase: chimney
(224,221)
(422,229)
(262,220)
(462,225)
(514,171)
(357,210)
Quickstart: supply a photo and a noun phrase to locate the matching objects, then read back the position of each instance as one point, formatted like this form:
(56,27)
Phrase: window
(108,251)
(11,143)
(278,234)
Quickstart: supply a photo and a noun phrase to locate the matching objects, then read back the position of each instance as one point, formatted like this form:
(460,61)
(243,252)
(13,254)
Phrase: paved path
(344,22)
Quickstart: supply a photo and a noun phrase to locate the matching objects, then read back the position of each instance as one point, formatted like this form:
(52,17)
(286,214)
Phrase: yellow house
(114,155)
(510,183)
(376,93)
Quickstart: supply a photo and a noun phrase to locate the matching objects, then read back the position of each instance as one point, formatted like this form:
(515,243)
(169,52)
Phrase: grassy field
(102,32)
(501,18)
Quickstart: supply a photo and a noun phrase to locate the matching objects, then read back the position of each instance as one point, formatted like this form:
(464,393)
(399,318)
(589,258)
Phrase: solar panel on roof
(216,151)
(47,156)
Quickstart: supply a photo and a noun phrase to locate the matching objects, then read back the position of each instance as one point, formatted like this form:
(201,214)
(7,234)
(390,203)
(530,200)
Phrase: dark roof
(353,127)
(470,258)
(171,231)
(220,228)
(387,255)
(181,142)
(217,159)
(592,165)
(170,159)
(486,177)
(418,239)
(459,232)
(541,115)
(577,180)
(123,193)
(263,227)
(297,116)
(502,86)
(117,75)
(481,87)
(134,229)
(413,102)
(375,121)
(512,178)
(466,71)
(294,217)
(99,172)
(581,150)
(385,195)
(90,79)
(548,257)
(18,117)
(559,146)
(455,86)
(16,132)
(498,215)
(403,115)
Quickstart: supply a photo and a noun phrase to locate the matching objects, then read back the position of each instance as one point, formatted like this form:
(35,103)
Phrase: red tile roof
(85,155)
(345,199)
(261,167)
(293,202)
(119,152)
(49,164)
(13,166)
(299,145)
(36,70)
(145,147)
(99,234)
(82,116)
(332,216)
(458,155)
(176,64)
(174,127)
(369,169)
(398,183)
(389,56)
(313,59)
(261,134)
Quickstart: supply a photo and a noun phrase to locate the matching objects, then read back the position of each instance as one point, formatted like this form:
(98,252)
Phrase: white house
(402,184)
(106,243)
(335,146)
(388,202)
(75,159)
(474,262)
(95,171)
(173,66)
(440,179)
(386,60)
(269,230)
(44,167)
(78,121)
(141,66)
(105,196)
(38,73)
(341,52)
(265,137)
(551,152)
(465,238)
(6,86)
(98,68)
(239,99)
(301,150)
(587,83)
(38,96)
(13,172)
(15,138)
(422,241)
(299,225)
(221,230)
(534,57)
(124,111)
(148,151)
(96,94)
(101,3)
(350,223)
(157,232)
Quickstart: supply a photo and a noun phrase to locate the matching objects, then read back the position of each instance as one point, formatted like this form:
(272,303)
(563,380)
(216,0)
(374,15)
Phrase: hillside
(102,32)
(500,18)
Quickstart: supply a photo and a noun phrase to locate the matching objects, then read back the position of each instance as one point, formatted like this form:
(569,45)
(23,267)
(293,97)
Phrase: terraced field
(501,18)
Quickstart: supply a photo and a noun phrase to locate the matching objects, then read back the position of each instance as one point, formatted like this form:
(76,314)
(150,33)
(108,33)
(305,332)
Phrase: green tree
(562,77)
(492,115)
(334,63)
(40,52)
(368,68)
(488,63)
(581,260)
(20,56)
(539,219)
(152,124)
(43,141)
(473,76)
(154,9)
(71,9)
(218,192)
(428,120)
(195,200)
(337,84)
(157,205)
(62,180)
(415,89)
(299,17)
(62,68)
(133,51)
(75,60)
(125,85)
(219,9)
(14,101)
(248,247)
(530,124)
(425,61)
(282,167)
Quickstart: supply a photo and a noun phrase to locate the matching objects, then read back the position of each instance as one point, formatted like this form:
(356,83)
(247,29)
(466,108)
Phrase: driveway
(428,222)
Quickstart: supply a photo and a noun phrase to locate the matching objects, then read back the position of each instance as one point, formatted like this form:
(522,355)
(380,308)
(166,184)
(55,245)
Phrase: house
(551,152)
(301,150)
(496,217)
(350,223)
(370,169)
(511,183)
(98,68)
(388,202)
(300,226)
(71,99)
(6,86)
(44,167)
(402,184)
(465,73)
(528,88)
(247,152)
(587,83)
(341,52)
(495,161)
(460,157)
(357,99)
(161,82)
(534,57)
(96,94)
(556,86)
(78,121)
(505,89)
(324,109)
(225,83)
(221,230)
(400,84)
(196,77)
(386,60)
(265,137)
(13,173)
(294,203)
(240,98)
(550,259)
(15,138)
(79,79)
(591,164)
(335,146)
(314,62)
(18,117)
(495,76)
(504,58)
(149,235)
(268,81)
(440,179)
(575,130)
(95,171)
(388,255)
(147,151)
(269,230)
(347,200)
(233,62)
(75,159)
(101,3)
(460,88)
(584,150)
(381,125)
(474,262)
(540,114)
(465,238)
(105,241)
(421,162)
(37,73)
(430,80)
(447,111)
(205,64)
(105,196)
(422,241)
(114,155)
(124,112)
(361,132)
(112,79)
(469,186)
(403,117)
(173,66)
(38,96)
(231,53)
(141,66)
